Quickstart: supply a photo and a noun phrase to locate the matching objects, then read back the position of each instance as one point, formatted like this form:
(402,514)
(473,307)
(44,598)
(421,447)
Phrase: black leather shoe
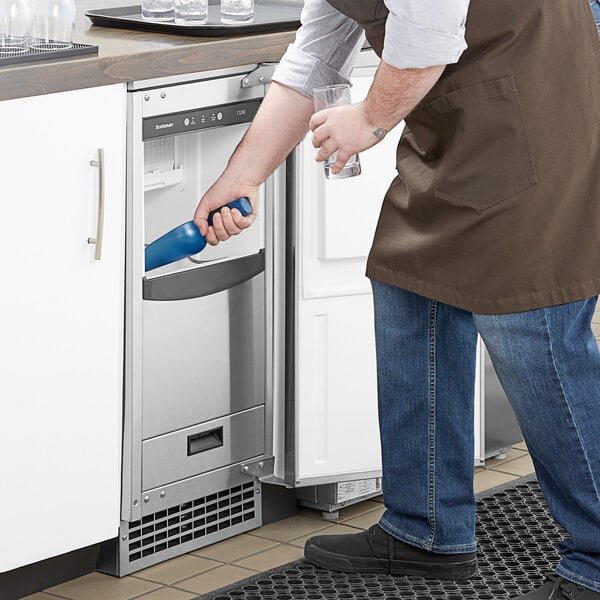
(375,551)
(557,588)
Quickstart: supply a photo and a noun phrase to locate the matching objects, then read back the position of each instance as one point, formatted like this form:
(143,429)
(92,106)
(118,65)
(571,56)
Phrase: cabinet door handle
(100,226)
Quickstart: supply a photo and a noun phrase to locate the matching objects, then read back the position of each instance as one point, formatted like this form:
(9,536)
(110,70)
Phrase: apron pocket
(487,157)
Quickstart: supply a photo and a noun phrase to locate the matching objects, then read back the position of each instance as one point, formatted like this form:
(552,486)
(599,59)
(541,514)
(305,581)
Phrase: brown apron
(496,206)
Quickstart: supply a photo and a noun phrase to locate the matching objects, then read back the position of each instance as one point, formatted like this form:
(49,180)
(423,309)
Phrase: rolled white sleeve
(324,49)
(424,33)
(418,34)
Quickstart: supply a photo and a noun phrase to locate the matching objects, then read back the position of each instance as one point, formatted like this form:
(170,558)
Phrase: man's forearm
(395,92)
(281,122)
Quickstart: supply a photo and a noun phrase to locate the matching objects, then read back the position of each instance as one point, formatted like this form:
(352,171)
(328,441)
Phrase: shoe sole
(352,564)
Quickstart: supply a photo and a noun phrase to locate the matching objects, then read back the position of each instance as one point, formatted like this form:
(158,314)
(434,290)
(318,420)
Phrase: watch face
(379,132)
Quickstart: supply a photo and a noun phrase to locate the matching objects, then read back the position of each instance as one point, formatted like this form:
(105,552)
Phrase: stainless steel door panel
(195,450)
(203,358)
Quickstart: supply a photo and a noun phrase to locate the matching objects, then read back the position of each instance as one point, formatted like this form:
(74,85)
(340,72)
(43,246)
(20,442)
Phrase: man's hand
(342,129)
(355,127)
(228,222)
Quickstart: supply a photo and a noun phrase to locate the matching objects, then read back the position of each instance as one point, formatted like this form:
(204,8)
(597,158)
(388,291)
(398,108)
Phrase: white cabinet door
(337,428)
(61,323)
(338,217)
(337,435)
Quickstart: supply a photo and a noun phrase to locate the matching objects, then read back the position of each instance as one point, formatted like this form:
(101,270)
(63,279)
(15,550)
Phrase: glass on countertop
(53,24)
(191,12)
(158,10)
(16,20)
(236,12)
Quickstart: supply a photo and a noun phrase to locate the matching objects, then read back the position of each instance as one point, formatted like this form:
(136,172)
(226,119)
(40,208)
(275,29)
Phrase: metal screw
(163,94)
(163,494)
(245,468)
(146,97)
(257,491)
(124,537)
(297,481)
(135,502)
(261,78)
(146,498)
(261,465)
(246,81)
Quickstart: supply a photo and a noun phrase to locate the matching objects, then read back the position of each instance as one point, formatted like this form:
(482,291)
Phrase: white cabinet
(61,322)
(336,428)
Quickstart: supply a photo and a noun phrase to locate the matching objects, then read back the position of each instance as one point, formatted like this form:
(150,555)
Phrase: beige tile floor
(210,568)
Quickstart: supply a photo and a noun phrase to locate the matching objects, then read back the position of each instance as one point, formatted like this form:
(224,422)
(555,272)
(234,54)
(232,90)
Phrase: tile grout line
(175,583)
(148,591)
(514,475)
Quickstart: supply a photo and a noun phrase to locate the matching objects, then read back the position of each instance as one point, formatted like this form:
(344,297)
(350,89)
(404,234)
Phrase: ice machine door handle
(207,440)
(204,281)
(185,240)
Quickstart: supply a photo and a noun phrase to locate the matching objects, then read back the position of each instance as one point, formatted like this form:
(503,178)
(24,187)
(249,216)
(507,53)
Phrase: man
(492,227)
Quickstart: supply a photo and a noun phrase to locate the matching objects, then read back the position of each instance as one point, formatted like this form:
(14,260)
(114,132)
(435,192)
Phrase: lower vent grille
(189,521)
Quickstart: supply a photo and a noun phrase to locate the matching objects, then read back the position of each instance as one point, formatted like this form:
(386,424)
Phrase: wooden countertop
(125,55)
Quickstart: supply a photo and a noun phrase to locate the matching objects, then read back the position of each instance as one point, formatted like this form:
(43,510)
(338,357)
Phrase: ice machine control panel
(201,118)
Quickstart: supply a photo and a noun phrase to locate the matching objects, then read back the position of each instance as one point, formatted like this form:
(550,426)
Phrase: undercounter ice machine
(200,366)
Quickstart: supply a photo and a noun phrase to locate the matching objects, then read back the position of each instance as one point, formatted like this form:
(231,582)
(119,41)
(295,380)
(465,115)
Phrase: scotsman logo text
(163,126)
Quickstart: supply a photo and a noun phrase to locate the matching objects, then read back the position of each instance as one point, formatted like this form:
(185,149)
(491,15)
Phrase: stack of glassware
(43,25)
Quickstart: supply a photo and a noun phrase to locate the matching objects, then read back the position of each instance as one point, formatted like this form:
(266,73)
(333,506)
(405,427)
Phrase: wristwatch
(380,132)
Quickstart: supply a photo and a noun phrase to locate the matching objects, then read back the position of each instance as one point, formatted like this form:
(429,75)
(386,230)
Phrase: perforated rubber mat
(516,539)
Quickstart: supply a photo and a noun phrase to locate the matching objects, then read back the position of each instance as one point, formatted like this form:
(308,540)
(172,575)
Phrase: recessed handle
(100,224)
(207,440)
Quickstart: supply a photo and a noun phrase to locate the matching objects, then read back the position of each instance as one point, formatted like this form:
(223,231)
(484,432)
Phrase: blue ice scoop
(185,240)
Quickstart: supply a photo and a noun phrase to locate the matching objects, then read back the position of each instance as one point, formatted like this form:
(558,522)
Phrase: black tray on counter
(35,55)
(269,15)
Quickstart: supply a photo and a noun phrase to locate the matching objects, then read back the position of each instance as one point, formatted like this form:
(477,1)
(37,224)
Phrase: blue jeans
(595,6)
(549,365)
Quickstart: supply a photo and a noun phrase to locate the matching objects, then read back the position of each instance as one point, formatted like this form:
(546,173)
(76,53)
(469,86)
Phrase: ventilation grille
(186,522)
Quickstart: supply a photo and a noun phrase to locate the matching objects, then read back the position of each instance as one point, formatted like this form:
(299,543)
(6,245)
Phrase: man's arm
(279,125)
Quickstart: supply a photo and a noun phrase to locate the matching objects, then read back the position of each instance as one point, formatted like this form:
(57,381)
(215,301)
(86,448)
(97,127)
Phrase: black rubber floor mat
(516,539)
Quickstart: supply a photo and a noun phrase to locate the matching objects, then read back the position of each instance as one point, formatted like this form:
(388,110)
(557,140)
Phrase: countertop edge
(46,77)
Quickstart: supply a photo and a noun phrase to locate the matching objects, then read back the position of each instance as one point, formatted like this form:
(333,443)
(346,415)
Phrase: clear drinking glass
(16,19)
(191,12)
(53,24)
(326,97)
(237,12)
(158,10)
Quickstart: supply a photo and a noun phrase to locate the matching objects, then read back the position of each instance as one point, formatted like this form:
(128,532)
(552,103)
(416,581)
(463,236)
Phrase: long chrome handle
(100,226)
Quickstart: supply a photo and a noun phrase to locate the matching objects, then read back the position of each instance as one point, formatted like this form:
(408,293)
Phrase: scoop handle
(242,204)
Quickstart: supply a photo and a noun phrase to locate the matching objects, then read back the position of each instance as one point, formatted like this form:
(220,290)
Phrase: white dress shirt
(418,34)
